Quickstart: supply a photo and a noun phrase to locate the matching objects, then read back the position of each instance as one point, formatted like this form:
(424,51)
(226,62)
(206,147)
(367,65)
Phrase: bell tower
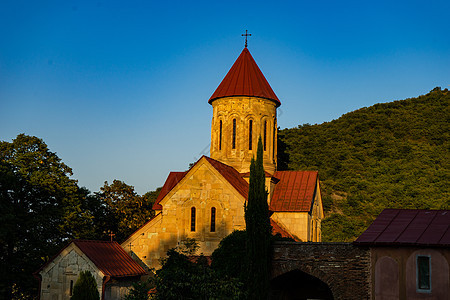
(244,109)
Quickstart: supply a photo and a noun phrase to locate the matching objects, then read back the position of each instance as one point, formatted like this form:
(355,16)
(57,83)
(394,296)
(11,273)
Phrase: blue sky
(119,89)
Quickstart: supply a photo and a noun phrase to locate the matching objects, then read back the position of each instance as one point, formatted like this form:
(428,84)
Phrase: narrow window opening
(234,134)
(423,273)
(273,141)
(265,135)
(192,218)
(213,219)
(250,134)
(71,287)
(220,135)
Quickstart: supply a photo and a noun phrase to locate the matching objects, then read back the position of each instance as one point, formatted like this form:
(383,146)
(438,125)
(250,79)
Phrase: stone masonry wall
(342,266)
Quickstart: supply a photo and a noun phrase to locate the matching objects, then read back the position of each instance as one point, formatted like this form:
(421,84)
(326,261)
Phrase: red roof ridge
(127,266)
(245,79)
(172,180)
(115,254)
(228,172)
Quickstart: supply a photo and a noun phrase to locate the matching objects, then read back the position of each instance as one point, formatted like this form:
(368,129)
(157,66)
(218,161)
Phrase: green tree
(85,288)
(259,230)
(389,155)
(40,209)
(126,210)
(232,248)
(183,276)
(139,291)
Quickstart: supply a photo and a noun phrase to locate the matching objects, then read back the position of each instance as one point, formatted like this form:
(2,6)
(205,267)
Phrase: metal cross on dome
(246,35)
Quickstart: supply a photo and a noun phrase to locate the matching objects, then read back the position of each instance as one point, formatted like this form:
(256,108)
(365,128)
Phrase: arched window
(265,135)
(234,135)
(220,135)
(250,134)
(213,219)
(192,218)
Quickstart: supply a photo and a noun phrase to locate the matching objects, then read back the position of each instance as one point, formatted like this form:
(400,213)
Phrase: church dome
(245,79)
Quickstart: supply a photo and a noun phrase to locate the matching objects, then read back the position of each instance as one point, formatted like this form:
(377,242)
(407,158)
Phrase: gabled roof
(109,257)
(229,173)
(171,181)
(245,79)
(294,192)
(412,227)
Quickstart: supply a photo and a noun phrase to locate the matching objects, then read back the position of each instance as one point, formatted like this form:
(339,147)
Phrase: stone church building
(206,202)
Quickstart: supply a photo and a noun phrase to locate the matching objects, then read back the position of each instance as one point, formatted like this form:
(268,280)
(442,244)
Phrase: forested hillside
(390,155)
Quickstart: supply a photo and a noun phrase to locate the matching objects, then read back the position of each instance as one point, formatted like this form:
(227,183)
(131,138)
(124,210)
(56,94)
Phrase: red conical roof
(245,79)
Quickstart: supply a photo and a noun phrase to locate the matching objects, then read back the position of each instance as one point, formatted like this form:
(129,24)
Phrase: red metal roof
(171,181)
(294,192)
(229,173)
(276,228)
(110,258)
(408,227)
(245,79)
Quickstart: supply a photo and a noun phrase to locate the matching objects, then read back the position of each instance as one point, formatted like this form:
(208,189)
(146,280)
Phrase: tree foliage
(258,230)
(390,155)
(186,277)
(40,209)
(85,288)
(126,211)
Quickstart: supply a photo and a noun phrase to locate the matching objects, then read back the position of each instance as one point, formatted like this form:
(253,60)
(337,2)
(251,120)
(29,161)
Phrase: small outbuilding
(112,267)
(410,253)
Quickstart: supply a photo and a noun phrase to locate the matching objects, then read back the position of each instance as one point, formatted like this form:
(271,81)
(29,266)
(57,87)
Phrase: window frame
(419,289)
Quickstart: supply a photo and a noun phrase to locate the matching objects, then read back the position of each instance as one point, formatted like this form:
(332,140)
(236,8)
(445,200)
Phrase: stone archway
(298,285)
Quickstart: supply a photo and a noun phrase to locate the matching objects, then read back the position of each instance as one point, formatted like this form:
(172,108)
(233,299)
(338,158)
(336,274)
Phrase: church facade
(207,201)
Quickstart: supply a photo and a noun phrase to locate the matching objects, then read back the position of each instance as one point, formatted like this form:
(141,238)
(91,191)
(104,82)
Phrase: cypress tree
(85,288)
(258,230)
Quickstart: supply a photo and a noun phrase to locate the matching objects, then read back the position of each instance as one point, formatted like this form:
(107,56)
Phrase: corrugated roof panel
(417,227)
(436,229)
(294,192)
(397,226)
(408,227)
(110,258)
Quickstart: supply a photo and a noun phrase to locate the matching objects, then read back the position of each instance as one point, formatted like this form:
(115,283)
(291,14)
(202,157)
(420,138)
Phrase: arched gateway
(320,271)
(298,285)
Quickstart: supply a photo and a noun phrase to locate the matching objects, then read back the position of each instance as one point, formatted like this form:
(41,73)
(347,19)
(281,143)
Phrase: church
(205,203)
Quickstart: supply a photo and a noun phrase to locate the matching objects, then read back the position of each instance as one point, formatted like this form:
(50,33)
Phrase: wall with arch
(237,124)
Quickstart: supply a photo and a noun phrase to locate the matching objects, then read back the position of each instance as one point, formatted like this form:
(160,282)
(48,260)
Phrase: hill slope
(390,155)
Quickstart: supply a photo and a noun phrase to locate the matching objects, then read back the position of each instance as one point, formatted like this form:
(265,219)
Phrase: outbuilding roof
(245,79)
(414,227)
(109,257)
(294,192)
